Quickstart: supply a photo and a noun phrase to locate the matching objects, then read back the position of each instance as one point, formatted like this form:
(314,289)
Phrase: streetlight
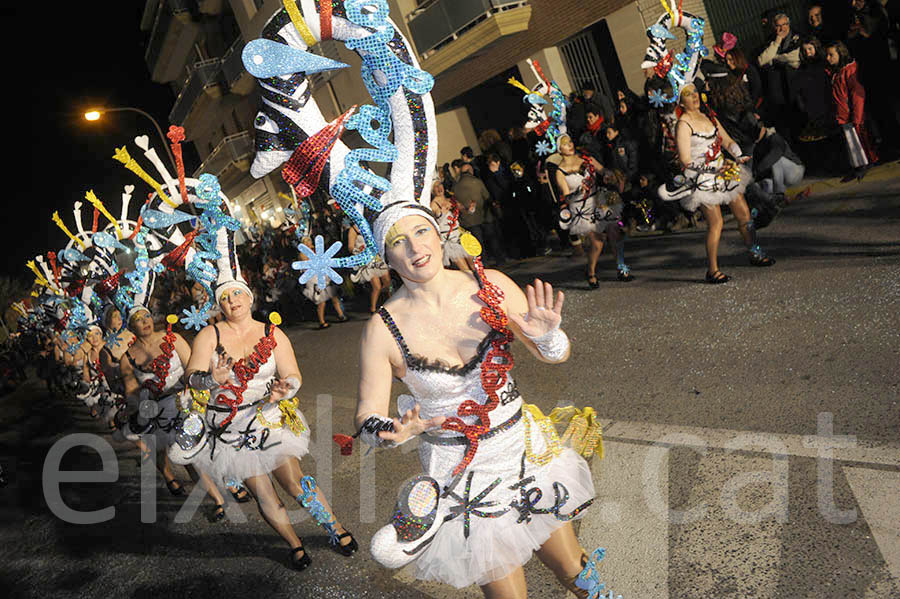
(95,115)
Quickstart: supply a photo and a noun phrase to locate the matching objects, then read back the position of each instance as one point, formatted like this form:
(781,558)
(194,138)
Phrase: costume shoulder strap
(395,332)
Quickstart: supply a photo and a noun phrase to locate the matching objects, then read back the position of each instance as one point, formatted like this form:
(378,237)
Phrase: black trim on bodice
(417,362)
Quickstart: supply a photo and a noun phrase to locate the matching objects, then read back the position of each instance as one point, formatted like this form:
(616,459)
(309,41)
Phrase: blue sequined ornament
(320,263)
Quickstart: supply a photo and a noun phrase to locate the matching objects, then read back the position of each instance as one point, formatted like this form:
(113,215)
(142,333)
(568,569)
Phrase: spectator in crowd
(455,168)
(475,213)
(812,91)
(520,146)
(818,27)
(867,41)
(622,152)
(576,116)
(728,41)
(592,140)
(775,168)
(468,157)
(748,73)
(491,143)
(779,61)
(850,102)
(729,98)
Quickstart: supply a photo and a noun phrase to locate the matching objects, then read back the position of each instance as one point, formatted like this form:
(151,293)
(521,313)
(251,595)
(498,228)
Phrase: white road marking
(876,493)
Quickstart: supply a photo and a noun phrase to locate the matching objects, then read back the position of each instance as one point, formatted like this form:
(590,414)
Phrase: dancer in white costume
(446,211)
(153,372)
(590,210)
(515,490)
(713,181)
(375,273)
(253,426)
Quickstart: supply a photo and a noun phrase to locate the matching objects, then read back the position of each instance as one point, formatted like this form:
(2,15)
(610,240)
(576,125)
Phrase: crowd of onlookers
(804,82)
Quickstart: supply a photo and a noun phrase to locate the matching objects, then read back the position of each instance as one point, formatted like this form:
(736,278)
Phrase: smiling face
(808,50)
(413,249)
(782,26)
(235,303)
(141,324)
(95,337)
(831,55)
(815,16)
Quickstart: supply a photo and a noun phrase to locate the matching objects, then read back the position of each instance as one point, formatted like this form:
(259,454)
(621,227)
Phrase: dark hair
(739,58)
(493,157)
(814,42)
(842,52)
(457,163)
(729,95)
(488,138)
(593,108)
(467,152)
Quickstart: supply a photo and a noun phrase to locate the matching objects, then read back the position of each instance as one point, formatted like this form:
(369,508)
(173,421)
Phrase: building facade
(470,46)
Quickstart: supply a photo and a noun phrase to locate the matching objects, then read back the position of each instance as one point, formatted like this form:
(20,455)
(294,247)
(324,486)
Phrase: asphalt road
(716,482)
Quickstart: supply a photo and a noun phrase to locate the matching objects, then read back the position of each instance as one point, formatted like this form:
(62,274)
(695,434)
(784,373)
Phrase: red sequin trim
(325,19)
(493,372)
(244,371)
(161,364)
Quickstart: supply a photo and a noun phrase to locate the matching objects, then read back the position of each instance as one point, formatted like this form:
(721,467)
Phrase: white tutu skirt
(91,395)
(367,272)
(713,190)
(500,533)
(585,215)
(249,445)
(312,292)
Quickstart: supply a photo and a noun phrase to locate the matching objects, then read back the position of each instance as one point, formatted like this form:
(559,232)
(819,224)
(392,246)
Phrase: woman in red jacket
(849,101)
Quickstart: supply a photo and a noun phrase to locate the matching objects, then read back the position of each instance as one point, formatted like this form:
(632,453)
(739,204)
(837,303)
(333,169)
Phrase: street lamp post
(94,115)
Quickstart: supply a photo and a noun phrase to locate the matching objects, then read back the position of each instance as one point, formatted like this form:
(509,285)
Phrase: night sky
(79,55)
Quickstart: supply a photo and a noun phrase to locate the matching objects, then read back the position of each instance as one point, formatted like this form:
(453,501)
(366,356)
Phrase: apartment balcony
(171,40)
(203,88)
(230,160)
(447,32)
(236,77)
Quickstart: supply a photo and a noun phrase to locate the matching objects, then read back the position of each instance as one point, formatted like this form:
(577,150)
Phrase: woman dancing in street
(244,379)
(713,181)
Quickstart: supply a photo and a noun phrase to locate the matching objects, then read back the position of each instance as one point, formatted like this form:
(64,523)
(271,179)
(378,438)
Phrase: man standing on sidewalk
(475,214)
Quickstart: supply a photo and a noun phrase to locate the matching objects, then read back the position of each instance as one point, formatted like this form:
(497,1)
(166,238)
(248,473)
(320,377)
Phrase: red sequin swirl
(493,373)
(161,364)
(244,371)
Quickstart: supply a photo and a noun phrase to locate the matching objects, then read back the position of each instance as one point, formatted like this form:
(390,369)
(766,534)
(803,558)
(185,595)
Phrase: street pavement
(752,436)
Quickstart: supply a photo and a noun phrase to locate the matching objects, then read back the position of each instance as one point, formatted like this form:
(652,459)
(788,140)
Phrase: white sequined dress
(704,175)
(260,436)
(589,211)
(498,523)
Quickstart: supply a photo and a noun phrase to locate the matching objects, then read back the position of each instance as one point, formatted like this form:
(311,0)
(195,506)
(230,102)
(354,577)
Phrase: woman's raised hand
(410,425)
(544,314)
(223,366)
(280,390)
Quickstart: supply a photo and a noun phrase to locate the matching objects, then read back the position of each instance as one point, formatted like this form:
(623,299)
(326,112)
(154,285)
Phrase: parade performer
(498,482)
(153,373)
(591,209)
(709,180)
(244,378)
(375,273)
(111,361)
(446,212)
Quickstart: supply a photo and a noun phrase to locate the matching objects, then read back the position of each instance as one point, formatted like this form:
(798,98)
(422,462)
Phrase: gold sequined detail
(554,447)
(289,417)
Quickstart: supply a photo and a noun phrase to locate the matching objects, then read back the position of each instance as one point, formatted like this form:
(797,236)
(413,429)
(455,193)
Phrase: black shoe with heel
(299,563)
(219,513)
(348,549)
(175,488)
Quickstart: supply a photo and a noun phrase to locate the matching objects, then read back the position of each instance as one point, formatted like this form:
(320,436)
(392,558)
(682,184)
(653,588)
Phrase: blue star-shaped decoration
(656,98)
(543,147)
(112,340)
(194,318)
(661,31)
(320,263)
